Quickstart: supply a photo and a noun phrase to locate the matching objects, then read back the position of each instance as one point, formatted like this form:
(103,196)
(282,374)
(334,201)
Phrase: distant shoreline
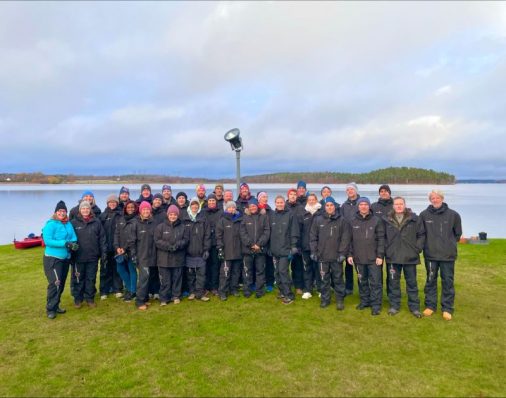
(389,175)
(2,183)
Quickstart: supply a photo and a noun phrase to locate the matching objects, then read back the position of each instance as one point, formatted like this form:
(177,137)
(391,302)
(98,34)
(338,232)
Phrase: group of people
(166,248)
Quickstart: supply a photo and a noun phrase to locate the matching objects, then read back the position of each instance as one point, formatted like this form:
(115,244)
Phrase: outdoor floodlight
(233,137)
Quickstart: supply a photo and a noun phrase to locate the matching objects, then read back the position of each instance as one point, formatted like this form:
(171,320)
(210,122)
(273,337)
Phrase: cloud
(327,85)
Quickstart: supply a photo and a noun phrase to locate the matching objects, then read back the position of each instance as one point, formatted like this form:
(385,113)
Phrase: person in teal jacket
(59,240)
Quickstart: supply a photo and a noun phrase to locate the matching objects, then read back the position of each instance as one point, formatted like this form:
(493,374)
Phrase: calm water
(25,208)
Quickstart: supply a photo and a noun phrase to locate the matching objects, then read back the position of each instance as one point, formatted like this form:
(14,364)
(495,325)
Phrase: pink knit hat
(173,209)
(144,205)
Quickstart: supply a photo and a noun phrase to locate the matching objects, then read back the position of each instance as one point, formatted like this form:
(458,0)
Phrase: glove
(314,257)
(341,258)
(221,255)
(72,246)
(205,255)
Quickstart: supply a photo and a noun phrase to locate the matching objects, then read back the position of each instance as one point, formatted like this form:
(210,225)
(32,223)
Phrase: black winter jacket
(123,231)
(306,222)
(142,243)
(382,207)
(109,219)
(91,239)
(212,217)
(228,236)
(255,229)
(443,229)
(367,239)
(349,208)
(284,232)
(141,199)
(159,214)
(200,236)
(166,204)
(171,240)
(329,237)
(242,204)
(403,243)
(183,214)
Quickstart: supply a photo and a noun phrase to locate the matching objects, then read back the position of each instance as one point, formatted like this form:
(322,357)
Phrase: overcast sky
(94,87)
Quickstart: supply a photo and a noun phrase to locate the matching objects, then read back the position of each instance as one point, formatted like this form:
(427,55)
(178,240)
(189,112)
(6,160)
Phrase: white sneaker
(156,296)
(177,301)
(319,294)
(307,296)
(191,297)
(118,295)
(103,297)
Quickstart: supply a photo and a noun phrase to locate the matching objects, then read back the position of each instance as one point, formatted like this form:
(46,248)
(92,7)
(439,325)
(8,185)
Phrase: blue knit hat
(253,201)
(166,187)
(124,190)
(86,193)
(301,184)
(330,199)
(363,199)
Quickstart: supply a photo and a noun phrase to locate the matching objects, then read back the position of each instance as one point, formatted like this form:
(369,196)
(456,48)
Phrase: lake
(26,208)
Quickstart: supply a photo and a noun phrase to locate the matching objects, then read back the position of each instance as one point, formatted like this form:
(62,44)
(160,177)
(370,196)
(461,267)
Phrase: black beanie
(385,186)
(182,194)
(60,206)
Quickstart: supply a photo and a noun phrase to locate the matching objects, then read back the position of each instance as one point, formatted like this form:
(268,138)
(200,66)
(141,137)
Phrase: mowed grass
(250,347)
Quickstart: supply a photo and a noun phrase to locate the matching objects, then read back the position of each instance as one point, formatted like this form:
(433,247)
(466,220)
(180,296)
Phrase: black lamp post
(233,137)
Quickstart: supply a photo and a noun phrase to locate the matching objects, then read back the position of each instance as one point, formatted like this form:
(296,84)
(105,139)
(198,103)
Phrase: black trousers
(370,286)
(230,272)
(311,274)
(170,283)
(327,270)
(56,271)
(348,276)
(282,275)
(254,271)
(110,280)
(142,286)
(83,280)
(297,271)
(154,281)
(447,269)
(394,297)
(213,270)
(269,271)
(196,280)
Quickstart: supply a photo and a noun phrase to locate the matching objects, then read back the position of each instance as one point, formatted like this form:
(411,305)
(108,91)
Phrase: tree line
(391,175)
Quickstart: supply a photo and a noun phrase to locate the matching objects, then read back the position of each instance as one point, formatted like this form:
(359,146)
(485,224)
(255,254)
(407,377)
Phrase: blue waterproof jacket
(56,234)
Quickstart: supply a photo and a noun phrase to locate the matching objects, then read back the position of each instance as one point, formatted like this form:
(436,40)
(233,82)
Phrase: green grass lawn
(250,347)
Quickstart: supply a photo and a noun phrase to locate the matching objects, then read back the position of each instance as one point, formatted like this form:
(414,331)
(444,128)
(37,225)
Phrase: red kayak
(28,242)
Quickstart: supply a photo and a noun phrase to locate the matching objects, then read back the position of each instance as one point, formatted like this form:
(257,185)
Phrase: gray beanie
(84,204)
(112,198)
(230,204)
(352,185)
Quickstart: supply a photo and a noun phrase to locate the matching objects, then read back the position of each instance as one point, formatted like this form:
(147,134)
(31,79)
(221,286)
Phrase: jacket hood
(354,201)
(441,210)
(359,216)
(334,216)
(385,202)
